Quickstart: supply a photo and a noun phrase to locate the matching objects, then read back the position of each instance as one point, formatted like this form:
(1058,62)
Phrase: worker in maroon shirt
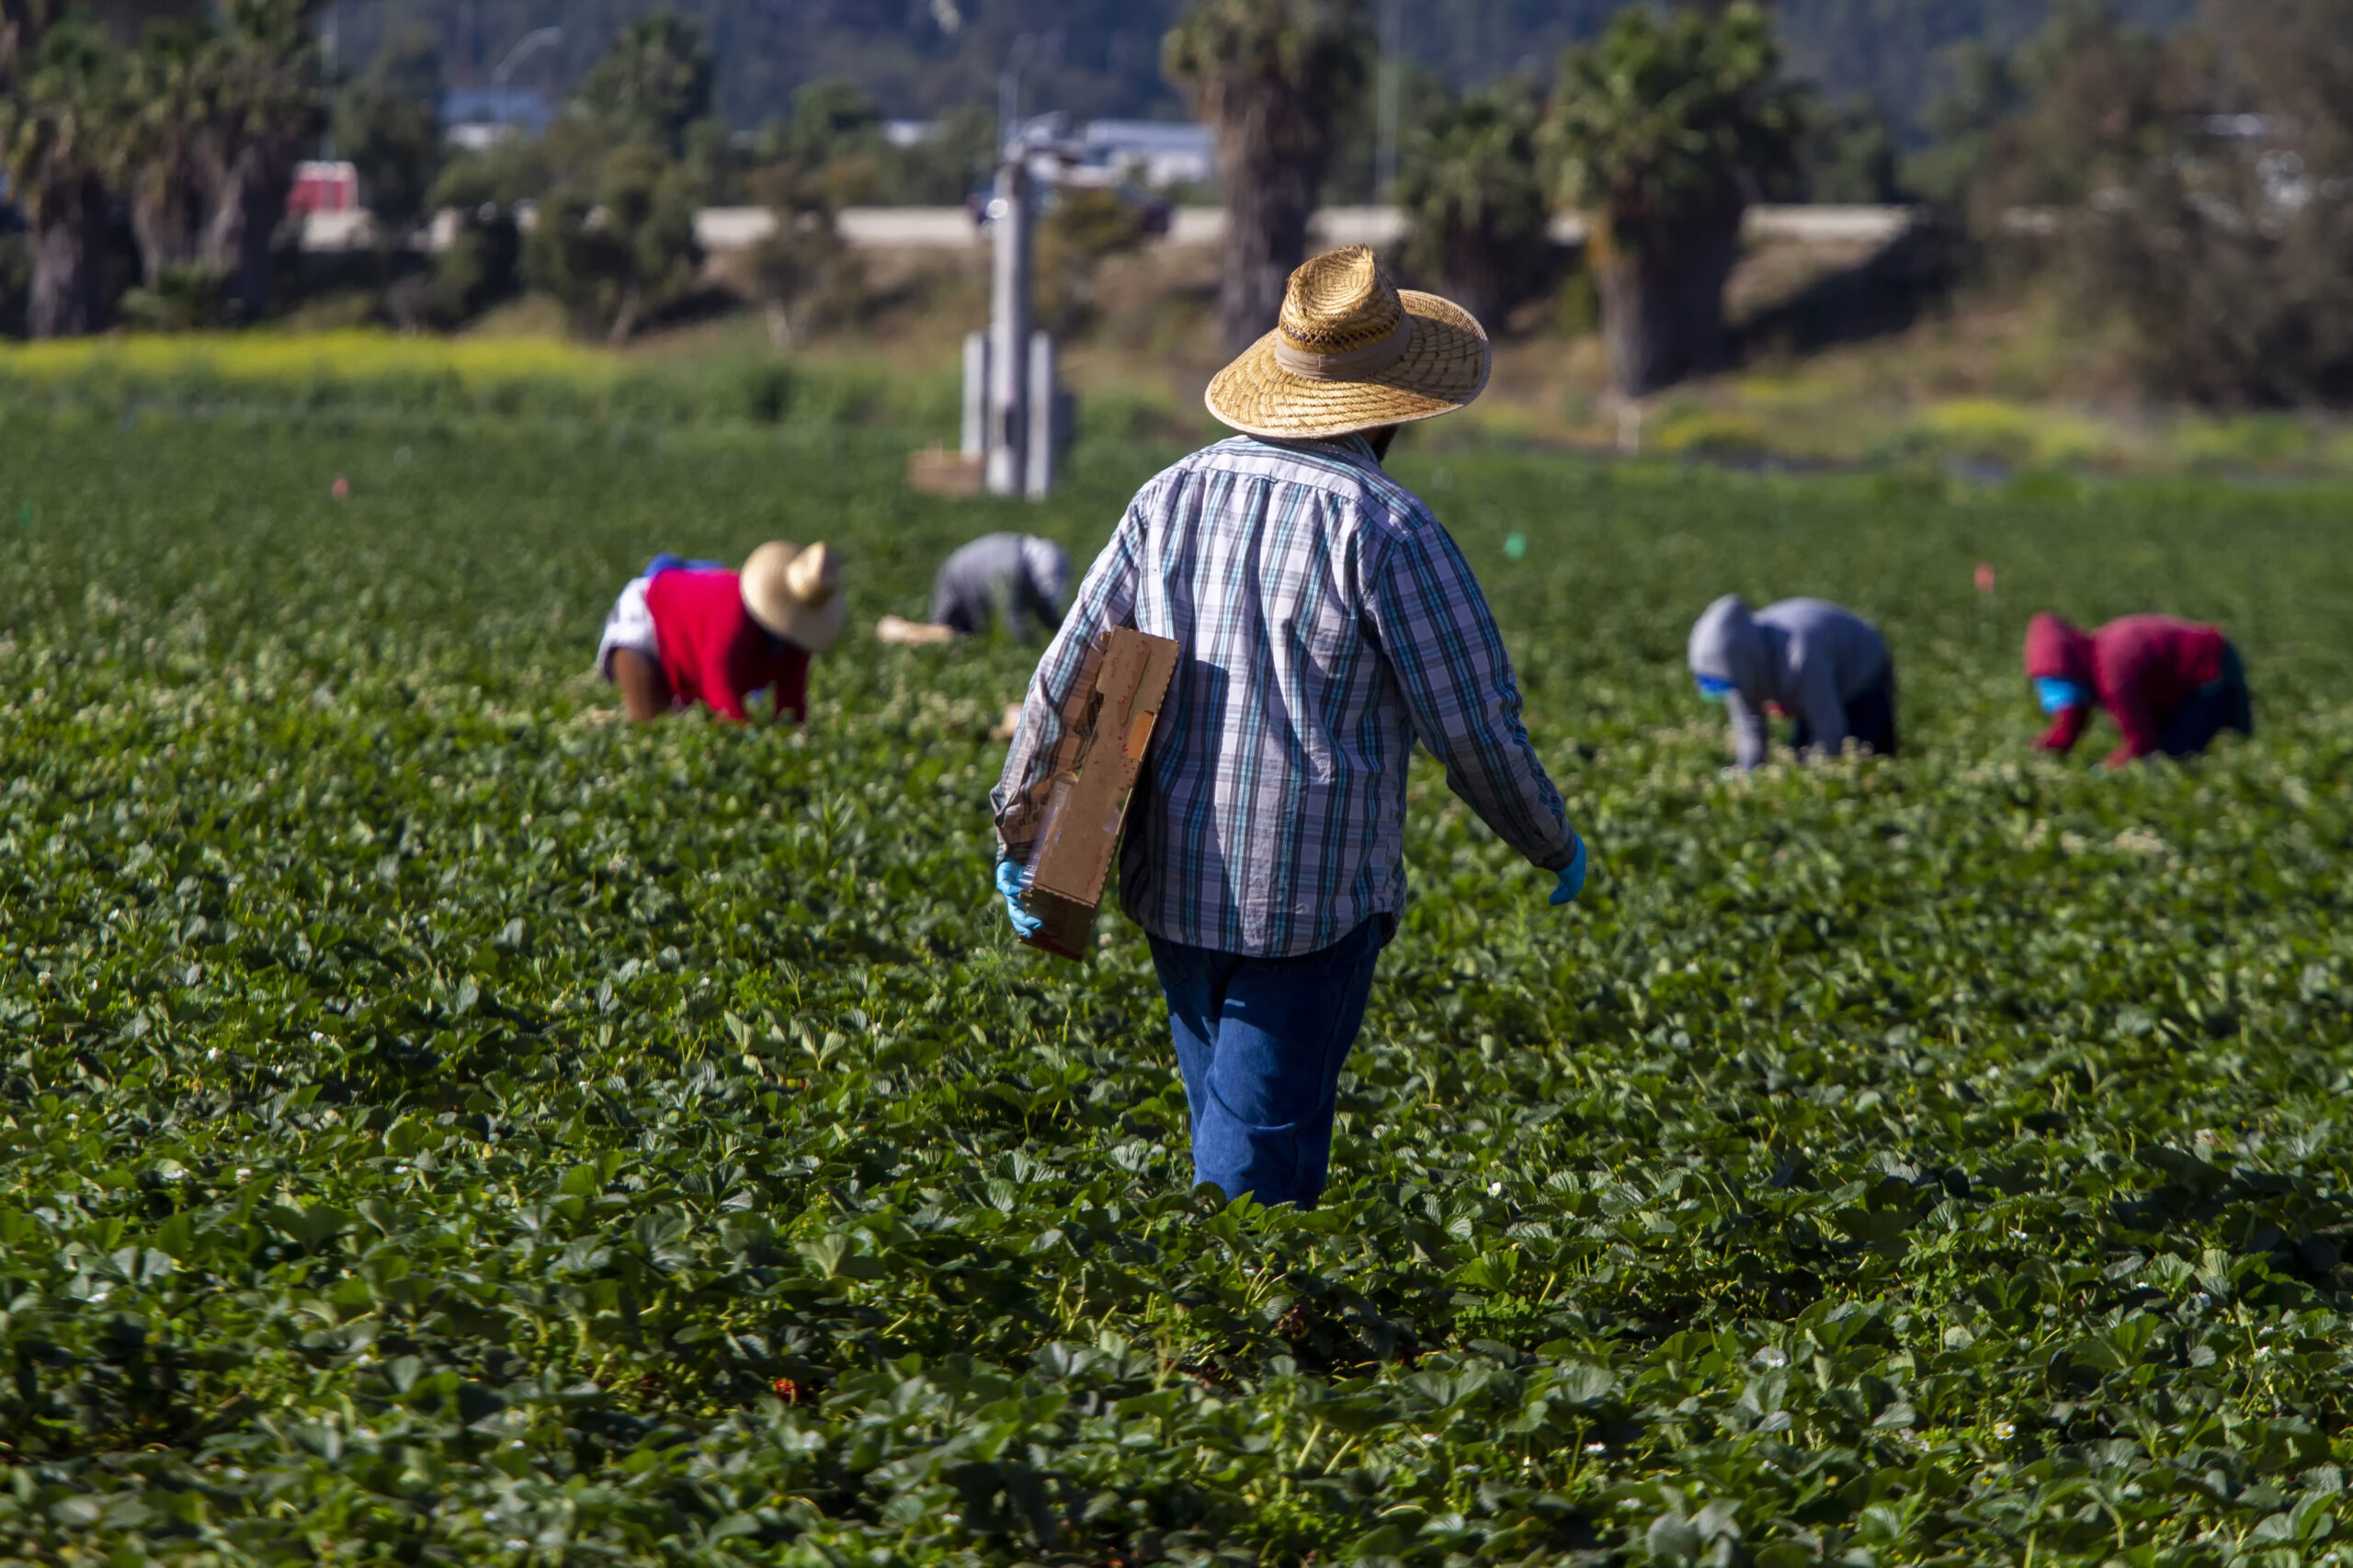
(685,633)
(2172,686)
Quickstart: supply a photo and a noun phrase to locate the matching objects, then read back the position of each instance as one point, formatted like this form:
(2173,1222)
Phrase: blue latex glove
(1008,882)
(1571,880)
(2057,696)
(1712,690)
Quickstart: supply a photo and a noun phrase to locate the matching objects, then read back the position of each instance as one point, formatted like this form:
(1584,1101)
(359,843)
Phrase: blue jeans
(1261,1042)
(2204,714)
(1870,720)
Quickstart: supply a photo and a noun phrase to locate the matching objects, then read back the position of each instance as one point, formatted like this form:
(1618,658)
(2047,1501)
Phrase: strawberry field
(439,1125)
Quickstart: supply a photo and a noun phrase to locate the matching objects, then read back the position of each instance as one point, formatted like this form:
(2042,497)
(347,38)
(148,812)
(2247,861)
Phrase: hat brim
(768,600)
(813,630)
(1444,368)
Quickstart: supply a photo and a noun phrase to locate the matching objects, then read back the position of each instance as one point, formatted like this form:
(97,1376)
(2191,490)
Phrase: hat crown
(1340,302)
(814,575)
(1351,351)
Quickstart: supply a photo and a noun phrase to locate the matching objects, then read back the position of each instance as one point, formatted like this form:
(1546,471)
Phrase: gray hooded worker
(1019,577)
(1818,661)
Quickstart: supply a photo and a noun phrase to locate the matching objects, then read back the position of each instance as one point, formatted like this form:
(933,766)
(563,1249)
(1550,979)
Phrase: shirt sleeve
(1031,606)
(723,681)
(2125,691)
(1106,600)
(2067,728)
(1752,736)
(1441,641)
(792,687)
(1818,701)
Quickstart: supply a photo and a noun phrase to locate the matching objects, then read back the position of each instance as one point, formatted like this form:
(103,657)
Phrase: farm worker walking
(1017,580)
(1324,622)
(691,631)
(2172,686)
(1819,662)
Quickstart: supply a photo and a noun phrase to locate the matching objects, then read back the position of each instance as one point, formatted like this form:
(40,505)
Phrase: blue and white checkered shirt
(1323,620)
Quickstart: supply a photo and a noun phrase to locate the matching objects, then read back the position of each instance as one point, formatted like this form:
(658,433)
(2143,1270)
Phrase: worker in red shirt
(2172,686)
(691,631)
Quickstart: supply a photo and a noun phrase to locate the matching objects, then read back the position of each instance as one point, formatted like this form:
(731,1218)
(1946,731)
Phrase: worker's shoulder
(2151,624)
(694,588)
(1343,471)
(986,544)
(1809,614)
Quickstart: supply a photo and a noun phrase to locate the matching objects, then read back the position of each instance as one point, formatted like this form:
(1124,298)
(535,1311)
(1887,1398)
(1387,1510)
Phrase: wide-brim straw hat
(1353,352)
(796,593)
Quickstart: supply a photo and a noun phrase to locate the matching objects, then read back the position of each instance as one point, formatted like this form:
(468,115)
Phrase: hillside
(1102,57)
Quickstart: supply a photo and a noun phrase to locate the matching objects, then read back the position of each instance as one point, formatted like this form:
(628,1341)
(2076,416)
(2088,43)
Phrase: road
(724,229)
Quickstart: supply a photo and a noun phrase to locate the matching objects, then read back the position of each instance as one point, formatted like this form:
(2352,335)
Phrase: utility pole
(530,43)
(1008,356)
(330,71)
(1007,361)
(1392,71)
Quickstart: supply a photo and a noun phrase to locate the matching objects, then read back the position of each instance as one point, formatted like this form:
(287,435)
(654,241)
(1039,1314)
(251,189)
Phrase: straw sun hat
(796,593)
(1353,352)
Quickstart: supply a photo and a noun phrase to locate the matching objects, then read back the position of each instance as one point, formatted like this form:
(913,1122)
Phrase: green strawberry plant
(436,1124)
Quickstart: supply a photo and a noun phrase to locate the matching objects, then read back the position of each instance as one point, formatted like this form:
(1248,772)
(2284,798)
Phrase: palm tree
(1470,184)
(1272,77)
(654,83)
(165,109)
(264,83)
(59,116)
(1662,132)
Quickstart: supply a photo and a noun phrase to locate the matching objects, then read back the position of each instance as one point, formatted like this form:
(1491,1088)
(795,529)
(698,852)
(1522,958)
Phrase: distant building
(908,132)
(324,188)
(1150,152)
(1141,152)
(476,118)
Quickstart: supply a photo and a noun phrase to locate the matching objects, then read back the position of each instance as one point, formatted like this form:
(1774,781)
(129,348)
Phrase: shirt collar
(1353,444)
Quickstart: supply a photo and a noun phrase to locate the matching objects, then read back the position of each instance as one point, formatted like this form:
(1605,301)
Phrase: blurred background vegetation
(2134,209)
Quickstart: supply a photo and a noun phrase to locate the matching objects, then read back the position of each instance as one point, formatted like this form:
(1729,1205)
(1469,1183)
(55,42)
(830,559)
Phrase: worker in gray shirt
(1018,580)
(1819,663)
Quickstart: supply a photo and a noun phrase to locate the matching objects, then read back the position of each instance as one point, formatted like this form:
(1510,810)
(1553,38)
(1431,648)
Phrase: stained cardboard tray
(1107,725)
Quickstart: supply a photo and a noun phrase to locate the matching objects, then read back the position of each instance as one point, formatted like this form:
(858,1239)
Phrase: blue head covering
(2057,693)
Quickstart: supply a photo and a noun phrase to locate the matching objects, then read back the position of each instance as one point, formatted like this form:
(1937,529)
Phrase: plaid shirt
(1323,620)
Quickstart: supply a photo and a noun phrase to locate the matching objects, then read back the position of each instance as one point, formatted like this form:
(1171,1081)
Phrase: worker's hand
(1008,882)
(1571,880)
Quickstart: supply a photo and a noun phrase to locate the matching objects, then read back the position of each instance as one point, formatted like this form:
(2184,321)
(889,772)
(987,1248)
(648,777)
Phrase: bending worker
(685,633)
(1016,579)
(1324,622)
(1820,663)
(2173,685)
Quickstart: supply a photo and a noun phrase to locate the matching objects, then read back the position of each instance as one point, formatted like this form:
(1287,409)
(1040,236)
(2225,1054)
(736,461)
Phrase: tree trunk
(1268,200)
(166,217)
(1474,274)
(69,260)
(625,319)
(240,238)
(1663,303)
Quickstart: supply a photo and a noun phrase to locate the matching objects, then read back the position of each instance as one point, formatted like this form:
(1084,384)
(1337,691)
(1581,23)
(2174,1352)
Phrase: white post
(1009,327)
(1040,476)
(976,396)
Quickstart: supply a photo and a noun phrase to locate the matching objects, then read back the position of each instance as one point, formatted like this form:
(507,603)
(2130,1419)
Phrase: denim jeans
(2204,714)
(1870,720)
(1261,1042)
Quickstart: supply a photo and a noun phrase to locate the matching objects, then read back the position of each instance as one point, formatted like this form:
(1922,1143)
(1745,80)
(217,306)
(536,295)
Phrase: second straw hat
(797,593)
(1352,352)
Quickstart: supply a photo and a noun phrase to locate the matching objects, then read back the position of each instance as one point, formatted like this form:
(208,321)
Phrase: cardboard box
(938,473)
(1107,729)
